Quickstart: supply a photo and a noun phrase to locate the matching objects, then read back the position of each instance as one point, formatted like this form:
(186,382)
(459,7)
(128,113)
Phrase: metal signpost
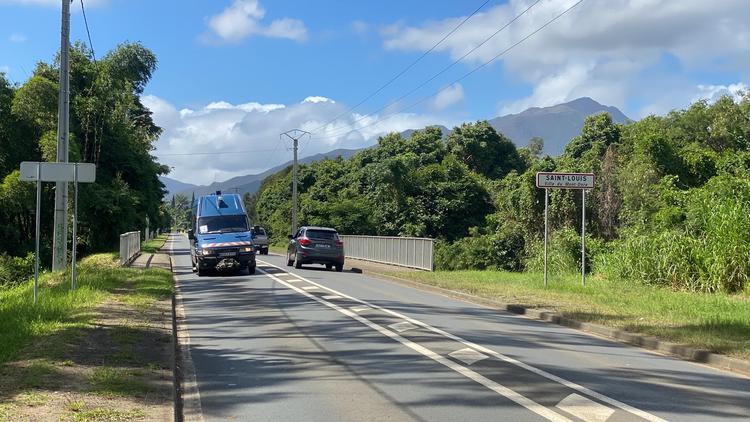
(32,171)
(580,181)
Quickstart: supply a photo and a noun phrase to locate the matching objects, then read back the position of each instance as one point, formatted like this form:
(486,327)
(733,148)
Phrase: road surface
(314,345)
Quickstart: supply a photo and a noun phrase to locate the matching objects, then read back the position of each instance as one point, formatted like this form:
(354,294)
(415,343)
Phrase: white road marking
(332,297)
(583,408)
(402,326)
(292,280)
(311,288)
(468,373)
(468,355)
(360,308)
(581,389)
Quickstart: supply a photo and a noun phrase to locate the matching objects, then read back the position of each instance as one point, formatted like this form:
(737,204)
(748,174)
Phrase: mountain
(174,186)
(557,125)
(251,182)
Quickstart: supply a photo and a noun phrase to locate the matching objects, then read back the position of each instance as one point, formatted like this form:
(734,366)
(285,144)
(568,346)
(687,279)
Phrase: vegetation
(109,126)
(100,352)
(60,309)
(671,206)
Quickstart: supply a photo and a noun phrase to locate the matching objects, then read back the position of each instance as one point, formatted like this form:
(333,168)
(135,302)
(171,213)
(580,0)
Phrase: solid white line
(583,408)
(331,297)
(310,287)
(468,373)
(581,389)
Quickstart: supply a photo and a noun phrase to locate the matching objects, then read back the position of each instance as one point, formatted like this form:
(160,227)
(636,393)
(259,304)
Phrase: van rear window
(322,234)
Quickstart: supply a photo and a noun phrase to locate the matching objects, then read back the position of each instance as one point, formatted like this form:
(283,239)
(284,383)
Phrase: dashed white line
(583,408)
(468,355)
(581,389)
(311,288)
(332,297)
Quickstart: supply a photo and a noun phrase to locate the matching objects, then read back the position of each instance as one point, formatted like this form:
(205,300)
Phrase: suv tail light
(339,243)
(304,241)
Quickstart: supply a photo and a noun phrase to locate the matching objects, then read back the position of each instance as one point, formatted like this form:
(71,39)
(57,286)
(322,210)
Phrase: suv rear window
(322,234)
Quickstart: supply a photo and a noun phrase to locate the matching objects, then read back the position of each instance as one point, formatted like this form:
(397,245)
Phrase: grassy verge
(716,322)
(281,250)
(153,245)
(100,352)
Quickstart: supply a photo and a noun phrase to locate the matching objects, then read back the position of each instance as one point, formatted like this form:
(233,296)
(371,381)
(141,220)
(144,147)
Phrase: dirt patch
(117,368)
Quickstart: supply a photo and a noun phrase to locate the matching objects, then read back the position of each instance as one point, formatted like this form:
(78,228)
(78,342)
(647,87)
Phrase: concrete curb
(647,342)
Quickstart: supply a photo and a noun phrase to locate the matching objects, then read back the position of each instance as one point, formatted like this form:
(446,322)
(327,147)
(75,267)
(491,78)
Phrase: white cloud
(448,97)
(243,18)
(714,92)
(600,49)
(317,99)
(224,127)
(17,38)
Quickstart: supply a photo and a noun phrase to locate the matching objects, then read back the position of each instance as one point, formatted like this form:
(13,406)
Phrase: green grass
(716,322)
(62,310)
(118,382)
(101,414)
(153,245)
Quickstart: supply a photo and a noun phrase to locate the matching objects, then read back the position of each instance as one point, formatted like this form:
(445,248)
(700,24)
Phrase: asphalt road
(314,345)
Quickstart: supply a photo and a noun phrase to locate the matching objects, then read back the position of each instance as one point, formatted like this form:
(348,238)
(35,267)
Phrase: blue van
(221,237)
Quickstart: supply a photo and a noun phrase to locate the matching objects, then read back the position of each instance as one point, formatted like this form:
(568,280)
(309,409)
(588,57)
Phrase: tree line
(671,205)
(109,126)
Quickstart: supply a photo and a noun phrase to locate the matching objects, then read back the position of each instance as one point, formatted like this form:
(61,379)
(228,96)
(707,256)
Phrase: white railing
(412,252)
(130,246)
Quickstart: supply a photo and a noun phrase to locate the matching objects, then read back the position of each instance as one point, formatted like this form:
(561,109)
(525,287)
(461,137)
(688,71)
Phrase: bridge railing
(412,252)
(130,246)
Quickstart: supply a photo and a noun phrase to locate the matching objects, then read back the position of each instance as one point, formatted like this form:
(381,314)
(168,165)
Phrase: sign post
(32,171)
(580,181)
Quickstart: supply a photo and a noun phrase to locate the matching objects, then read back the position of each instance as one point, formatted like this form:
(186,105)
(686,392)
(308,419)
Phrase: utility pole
(60,234)
(295,135)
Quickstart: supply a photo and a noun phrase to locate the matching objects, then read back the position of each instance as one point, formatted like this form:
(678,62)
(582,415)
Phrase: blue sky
(234,73)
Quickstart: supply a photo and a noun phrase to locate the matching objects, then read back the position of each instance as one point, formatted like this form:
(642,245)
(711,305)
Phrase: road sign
(32,171)
(550,180)
(58,172)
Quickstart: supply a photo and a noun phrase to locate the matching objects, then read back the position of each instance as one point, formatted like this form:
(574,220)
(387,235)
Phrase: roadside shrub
(708,252)
(15,270)
(563,253)
(502,250)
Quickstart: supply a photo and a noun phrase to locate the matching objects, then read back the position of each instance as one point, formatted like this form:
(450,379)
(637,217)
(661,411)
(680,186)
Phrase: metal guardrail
(130,246)
(412,252)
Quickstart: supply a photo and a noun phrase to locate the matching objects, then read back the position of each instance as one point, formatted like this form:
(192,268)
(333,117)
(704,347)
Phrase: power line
(406,69)
(462,77)
(88,33)
(445,69)
(216,153)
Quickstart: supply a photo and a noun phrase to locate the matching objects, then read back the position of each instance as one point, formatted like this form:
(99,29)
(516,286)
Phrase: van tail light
(339,243)
(304,241)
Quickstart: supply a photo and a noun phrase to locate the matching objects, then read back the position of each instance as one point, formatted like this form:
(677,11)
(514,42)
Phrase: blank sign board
(58,172)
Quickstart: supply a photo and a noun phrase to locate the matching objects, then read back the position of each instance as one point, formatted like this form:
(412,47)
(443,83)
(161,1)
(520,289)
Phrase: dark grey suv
(316,245)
